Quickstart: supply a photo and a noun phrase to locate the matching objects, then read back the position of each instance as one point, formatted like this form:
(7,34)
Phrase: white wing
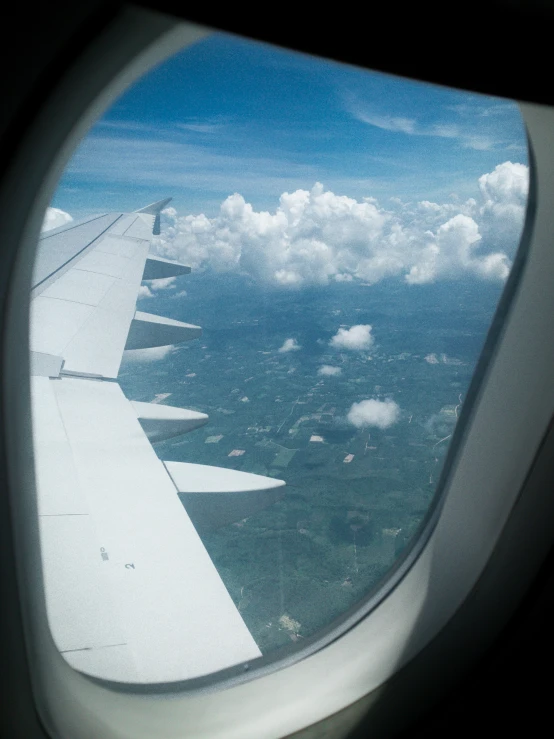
(132,595)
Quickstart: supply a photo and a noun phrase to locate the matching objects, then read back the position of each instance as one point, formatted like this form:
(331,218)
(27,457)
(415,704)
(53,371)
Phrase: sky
(302,171)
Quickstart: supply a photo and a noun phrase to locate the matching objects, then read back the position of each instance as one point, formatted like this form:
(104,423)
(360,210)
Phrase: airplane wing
(131,592)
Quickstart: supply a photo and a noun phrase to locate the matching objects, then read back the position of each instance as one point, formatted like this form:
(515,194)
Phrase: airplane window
(296,332)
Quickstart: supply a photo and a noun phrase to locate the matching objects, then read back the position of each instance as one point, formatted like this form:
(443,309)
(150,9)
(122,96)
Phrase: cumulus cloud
(289,345)
(154,286)
(379,413)
(328,370)
(54,218)
(164,283)
(504,196)
(354,338)
(145,292)
(154,354)
(316,236)
(452,252)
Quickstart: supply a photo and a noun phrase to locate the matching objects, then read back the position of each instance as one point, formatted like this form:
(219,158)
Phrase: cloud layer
(379,413)
(316,236)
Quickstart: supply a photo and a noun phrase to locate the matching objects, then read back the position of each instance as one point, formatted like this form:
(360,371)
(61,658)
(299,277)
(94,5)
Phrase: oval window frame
(290,697)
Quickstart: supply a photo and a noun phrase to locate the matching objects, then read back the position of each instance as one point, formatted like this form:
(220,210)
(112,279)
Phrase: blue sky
(228,115)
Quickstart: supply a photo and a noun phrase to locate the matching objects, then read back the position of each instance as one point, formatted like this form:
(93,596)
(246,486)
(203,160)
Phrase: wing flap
(45,365)
(55,322)
(176,615)
(81,611)
(97,348)
(72,564)
(58,495)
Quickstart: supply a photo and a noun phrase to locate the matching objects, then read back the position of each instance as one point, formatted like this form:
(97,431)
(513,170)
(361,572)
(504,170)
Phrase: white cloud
(54,218)
(154,354)
(145,292)
(316,236)
(355,338)
(453,251)
(386,122)
(328,370)
(379,413)
(504,194)
(289,345)
(200,126)
(164,283)
(441,359)
(506,185)
(465,134)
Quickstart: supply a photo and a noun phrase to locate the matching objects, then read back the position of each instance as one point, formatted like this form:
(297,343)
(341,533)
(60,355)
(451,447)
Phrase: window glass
(349,236)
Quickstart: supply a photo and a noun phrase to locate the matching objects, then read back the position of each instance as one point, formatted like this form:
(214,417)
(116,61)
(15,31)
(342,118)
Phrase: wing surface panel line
(128,227)
(84,248)
(69,227)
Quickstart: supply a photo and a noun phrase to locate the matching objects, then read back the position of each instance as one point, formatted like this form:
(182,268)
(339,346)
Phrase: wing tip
(155,208)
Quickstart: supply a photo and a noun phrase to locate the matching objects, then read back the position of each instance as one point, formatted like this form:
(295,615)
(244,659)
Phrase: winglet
(154,209)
